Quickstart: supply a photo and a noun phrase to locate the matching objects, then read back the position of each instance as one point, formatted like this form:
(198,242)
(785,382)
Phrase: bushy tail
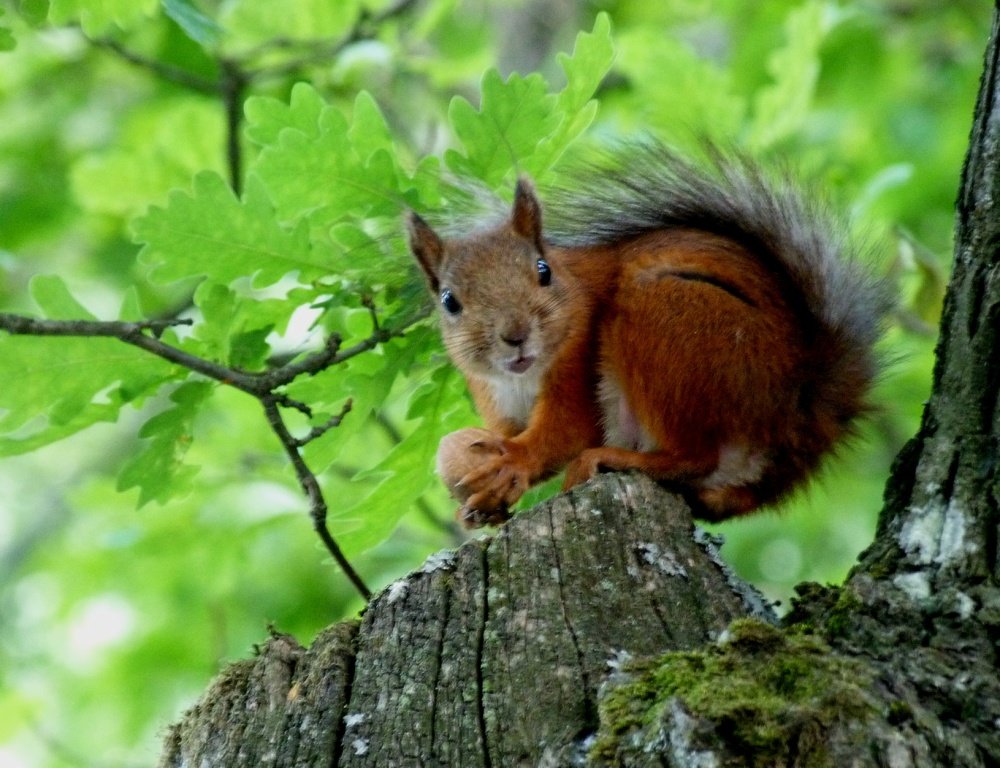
(645,187)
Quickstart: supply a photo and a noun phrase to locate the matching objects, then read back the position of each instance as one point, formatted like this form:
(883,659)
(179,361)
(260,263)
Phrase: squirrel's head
(504,309)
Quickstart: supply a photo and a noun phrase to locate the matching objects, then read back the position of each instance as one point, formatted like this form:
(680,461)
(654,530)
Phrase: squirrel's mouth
(521,364)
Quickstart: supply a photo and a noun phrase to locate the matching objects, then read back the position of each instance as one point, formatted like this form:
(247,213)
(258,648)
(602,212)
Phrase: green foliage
(99,17)
(505,130)
(782,106)
(7,40)
(201,28)
(67,385)
(158,469)
(520,127)
(157,526)
(333,169)
(210,233)
(259,23)
(147,161)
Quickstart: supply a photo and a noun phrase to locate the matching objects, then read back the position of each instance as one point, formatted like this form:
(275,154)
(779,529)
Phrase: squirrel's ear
(426,246)
(526,218)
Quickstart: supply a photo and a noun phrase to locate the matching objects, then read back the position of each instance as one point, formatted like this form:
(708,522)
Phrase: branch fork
(265,386)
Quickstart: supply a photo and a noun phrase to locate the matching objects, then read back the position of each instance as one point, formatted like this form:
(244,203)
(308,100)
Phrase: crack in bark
(340,732)
(991,535)
(655,610)
(506,700)
(446,594)
(988,397)
(947,490)
(480,646)
(503,539)
(976,298)
(973,177)
(589,705)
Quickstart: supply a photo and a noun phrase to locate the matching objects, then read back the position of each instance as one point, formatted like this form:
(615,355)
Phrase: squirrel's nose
(515,340)
(515,335)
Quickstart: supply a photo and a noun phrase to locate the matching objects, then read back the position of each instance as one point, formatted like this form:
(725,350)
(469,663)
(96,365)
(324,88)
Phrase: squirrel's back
(836,303)
(646,187)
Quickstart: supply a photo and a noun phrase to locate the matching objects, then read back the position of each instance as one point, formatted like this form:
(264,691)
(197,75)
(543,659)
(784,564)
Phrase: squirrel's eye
(450,303)
(544,272)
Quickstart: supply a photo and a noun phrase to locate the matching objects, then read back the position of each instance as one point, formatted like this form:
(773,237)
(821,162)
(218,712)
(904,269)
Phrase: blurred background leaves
(162,530)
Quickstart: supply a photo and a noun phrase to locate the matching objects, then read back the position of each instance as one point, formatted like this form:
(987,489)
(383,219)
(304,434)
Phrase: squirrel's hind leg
(660,465)
(714,503)
(730,501)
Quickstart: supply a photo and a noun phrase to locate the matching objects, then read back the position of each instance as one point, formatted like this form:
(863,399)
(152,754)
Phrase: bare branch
(310,486)
(22,325)
(134,334)
(256,384)
(311,364)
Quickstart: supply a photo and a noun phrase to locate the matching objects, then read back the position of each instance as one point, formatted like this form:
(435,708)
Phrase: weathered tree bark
(601,628)
(491,655)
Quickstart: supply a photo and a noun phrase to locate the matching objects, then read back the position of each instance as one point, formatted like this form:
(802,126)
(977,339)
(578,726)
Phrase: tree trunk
(491,655)
(601,628)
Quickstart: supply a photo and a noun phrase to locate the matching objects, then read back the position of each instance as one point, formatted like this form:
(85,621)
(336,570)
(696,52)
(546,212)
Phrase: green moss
(880,571)
(899,712)
(809,607)
(762,690)
(843,615)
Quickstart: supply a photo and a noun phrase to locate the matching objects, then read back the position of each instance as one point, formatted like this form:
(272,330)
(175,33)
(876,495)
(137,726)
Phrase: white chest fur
(515,396)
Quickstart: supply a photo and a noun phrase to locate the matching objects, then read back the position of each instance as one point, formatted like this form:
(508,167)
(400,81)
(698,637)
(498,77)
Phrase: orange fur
(678,352)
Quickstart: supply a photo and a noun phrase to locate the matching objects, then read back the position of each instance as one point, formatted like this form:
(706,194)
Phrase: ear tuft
(526,217)
(427,247)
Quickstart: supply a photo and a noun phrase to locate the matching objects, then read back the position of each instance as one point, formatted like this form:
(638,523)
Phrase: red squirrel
(698,322)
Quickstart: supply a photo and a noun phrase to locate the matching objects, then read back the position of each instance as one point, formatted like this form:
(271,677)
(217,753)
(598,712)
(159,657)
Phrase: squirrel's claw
(470,517)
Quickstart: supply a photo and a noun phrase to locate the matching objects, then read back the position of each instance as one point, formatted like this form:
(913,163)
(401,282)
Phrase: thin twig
(310,486)
(310,364)
(323,51)
(166,71)
(29,326)
(232,87)
(134,334)
(322,429)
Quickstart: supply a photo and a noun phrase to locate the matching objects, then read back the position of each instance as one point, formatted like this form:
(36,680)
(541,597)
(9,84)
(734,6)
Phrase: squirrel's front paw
(459,453)
(485,472)
(492,488)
